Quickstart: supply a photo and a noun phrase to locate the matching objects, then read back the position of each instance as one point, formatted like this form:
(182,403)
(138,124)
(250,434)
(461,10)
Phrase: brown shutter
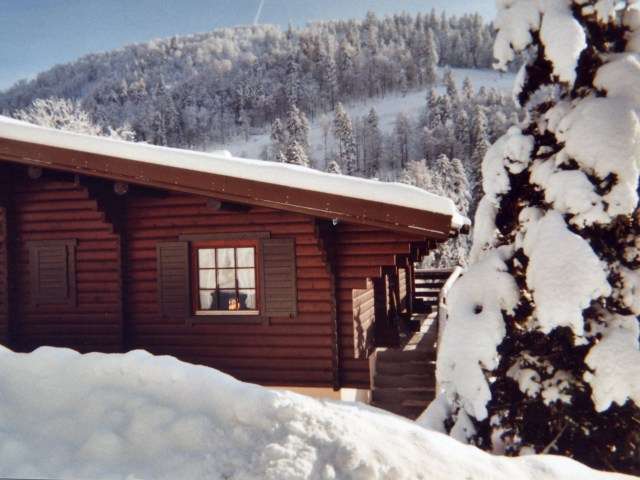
(173,279)
(52,266)
(279,293)
(4,278)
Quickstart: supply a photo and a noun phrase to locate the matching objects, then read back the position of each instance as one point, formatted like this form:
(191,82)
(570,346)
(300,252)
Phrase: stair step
(411,412)
(433,273)
(423,404)
(426,298)
(406,368)
(425,301)
(397,355)
(399,395)
(403,381)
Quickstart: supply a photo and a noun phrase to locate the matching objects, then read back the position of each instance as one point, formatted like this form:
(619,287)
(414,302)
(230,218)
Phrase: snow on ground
(136,416)
(387,107)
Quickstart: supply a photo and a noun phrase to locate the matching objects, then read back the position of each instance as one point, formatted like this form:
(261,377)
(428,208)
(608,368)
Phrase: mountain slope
(194,90)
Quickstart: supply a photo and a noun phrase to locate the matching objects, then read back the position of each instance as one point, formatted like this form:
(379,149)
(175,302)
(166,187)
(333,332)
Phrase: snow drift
(66,415)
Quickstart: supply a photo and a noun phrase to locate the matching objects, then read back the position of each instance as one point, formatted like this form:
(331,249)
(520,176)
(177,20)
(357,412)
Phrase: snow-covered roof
(222,164)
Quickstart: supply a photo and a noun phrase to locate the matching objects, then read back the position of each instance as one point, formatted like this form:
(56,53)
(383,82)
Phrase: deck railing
(431,287)
(428,283)
(442,300)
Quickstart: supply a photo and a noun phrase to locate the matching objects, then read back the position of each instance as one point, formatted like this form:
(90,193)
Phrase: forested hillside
(196,90)
(299,94)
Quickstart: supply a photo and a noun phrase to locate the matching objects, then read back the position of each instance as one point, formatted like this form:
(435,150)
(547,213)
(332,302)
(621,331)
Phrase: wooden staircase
(404,378)
(427,286)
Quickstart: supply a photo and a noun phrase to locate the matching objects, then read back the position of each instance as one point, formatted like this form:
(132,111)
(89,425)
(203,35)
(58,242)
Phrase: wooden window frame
(229,240)
(195,247)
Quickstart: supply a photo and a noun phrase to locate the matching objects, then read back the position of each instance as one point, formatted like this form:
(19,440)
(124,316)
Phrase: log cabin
(276,274)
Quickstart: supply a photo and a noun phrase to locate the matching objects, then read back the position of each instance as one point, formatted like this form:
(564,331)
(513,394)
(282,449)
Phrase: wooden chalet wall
(287,351)
(344,276)
(364,255)
(51,209)
(364,317)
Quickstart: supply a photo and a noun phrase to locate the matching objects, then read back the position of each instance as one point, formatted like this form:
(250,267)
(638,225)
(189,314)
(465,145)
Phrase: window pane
(246,278)
(226,258)
(228,300)
(226,278)
(208,300)
(207,257)
(207,279)
(245,257)
(247,299)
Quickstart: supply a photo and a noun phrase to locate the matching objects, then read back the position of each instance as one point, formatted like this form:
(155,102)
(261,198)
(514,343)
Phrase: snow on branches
(540,351)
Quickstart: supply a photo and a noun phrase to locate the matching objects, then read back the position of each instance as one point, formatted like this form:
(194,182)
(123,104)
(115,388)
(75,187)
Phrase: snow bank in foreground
(65,415)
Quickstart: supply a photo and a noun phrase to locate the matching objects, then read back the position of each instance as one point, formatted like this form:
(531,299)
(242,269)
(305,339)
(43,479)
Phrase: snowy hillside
(412,104)
(135,416)
(195,90)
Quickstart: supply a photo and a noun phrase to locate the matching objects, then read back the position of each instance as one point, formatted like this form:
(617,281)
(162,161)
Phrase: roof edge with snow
(391,206)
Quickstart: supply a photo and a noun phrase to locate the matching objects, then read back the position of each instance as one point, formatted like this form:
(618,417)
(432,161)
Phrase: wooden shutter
(279,294)
(4,278)
(52,267)
(173,279)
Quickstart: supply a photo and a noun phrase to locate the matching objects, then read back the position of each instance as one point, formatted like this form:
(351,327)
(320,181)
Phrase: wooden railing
(427,286)
(442,300)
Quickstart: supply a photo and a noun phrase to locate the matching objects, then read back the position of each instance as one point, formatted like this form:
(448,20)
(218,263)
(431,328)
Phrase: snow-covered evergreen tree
(467,89)
(479,147)
(343,132)
(430,58)
(295,154)
(449,179)
(298,127)
(278,138)
(334,167)
(450,84)
(552,301)
(373,145)
(401,132)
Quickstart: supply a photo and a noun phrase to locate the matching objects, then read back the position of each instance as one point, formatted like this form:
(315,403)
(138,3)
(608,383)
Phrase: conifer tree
(467,89)
(373,146)
(552,299)
(278,137)
(298,127)
(295,154)
(431,59)
(343,132)
(479,147)
(334,167)
(450,85)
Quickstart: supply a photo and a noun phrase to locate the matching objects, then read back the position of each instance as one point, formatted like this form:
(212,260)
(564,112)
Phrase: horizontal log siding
(403,297)
(364,316)
(362,253)
(4,280)
(47,209)
(288,351)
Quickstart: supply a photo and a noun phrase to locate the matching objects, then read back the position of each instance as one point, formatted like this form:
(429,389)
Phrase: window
(225,278)
(235,277)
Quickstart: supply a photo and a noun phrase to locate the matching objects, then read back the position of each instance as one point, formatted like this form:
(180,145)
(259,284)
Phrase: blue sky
(37,34)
